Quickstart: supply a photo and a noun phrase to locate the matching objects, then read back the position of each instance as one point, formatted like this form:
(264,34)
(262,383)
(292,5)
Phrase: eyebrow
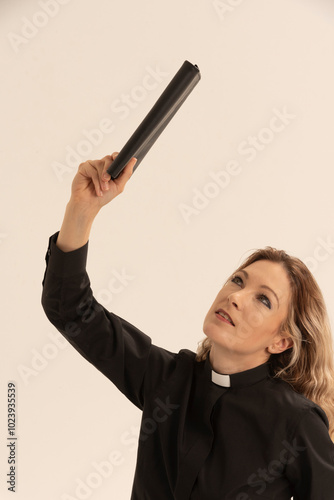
(261,286)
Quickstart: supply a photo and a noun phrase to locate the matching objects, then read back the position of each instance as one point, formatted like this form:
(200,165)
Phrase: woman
(250,415)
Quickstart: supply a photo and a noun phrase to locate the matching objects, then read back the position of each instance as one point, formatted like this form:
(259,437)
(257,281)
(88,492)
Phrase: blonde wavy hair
(308,366)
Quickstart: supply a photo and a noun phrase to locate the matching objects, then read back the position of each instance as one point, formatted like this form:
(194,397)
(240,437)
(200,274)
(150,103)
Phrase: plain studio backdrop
(246,162)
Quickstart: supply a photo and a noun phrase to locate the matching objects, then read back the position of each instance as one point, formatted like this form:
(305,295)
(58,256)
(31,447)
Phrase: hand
(92,186)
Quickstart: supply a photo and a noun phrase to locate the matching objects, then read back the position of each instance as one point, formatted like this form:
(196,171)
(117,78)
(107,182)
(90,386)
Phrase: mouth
(224,315)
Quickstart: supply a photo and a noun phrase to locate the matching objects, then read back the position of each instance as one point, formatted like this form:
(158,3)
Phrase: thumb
(105,176)
(126,173)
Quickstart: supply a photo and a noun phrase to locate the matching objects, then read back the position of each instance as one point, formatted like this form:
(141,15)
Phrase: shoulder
(294,404)
(164,365)
(161,355)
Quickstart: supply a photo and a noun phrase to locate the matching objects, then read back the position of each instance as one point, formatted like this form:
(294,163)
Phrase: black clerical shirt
(204,435)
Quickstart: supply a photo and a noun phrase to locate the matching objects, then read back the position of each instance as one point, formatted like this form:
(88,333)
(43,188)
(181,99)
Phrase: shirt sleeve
(310,463)
(118,349)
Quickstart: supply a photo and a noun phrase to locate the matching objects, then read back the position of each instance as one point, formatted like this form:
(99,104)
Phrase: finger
(125,175)
(109,157)
(101,166)
(93,174)
(108,161)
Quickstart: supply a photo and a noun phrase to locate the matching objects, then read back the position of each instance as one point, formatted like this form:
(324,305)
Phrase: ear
(283,342)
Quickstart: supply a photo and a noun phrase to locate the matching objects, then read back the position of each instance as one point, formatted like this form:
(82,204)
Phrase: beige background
(68,75)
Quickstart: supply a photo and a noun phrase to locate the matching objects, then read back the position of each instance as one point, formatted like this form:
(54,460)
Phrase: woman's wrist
(76,226)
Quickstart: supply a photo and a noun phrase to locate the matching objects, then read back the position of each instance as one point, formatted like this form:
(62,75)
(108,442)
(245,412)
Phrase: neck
(228,363)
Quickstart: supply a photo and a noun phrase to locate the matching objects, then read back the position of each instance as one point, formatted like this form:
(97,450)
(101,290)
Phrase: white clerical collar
(220,379)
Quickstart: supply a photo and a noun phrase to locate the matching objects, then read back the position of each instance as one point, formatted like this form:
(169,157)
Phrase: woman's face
(256,312)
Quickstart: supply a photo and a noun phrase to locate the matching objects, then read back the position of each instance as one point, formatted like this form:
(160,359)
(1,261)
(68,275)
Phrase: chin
(219,335)
(213,331)
(208,328)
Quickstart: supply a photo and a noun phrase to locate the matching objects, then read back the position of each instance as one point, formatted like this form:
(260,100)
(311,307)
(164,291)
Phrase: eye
(236,277)
(267,304)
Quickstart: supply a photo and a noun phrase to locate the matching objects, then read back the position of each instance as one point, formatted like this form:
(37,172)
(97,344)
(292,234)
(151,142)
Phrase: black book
(157,118)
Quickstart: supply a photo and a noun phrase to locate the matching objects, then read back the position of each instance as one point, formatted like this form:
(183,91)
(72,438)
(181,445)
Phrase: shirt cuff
(65,264)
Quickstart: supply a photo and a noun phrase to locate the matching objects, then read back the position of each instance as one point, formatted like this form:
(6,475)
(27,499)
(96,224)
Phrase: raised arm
(92,188)
(118,349)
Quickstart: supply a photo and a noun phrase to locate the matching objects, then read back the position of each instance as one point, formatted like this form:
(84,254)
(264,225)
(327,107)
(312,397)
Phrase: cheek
(255,319)
(210,315)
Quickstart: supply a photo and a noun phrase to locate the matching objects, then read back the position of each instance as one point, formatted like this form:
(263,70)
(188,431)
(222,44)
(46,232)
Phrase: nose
(235,304)
(235,300)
